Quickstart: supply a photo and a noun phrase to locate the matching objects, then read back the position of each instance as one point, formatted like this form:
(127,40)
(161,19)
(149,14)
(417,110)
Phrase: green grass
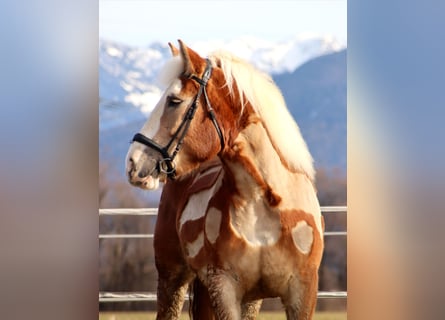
(262,316)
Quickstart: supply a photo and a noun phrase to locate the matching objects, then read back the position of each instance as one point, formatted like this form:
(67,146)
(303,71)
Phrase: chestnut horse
(249,227)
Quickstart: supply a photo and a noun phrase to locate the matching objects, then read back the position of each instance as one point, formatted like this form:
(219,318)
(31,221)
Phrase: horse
(249,227)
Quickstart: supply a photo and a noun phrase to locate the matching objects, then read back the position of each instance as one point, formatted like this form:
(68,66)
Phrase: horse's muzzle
(144,175)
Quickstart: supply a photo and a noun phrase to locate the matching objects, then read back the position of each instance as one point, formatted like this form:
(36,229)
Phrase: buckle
(167,166)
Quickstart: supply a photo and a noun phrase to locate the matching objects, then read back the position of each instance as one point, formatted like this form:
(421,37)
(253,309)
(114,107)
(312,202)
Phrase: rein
(166,165)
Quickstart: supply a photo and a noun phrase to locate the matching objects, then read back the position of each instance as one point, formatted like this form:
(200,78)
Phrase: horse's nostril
(143,173)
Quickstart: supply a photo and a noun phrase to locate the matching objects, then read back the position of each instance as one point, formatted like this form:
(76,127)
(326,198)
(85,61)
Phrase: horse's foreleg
(201,307)
(223,291)
(301,299)
(172,290)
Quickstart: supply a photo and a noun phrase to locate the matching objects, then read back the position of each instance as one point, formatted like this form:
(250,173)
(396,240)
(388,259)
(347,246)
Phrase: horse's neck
(260,174)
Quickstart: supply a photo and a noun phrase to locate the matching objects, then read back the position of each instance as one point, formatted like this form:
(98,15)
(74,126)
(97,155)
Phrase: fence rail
(154,211)
(129,212)
(150,296)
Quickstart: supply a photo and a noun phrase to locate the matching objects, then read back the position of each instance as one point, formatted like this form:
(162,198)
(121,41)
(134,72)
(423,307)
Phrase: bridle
(166,164)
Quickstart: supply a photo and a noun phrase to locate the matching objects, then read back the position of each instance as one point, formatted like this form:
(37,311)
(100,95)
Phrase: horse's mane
(259,89)
(266,99)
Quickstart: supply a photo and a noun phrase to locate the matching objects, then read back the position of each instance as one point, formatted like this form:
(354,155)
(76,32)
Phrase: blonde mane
(266,99)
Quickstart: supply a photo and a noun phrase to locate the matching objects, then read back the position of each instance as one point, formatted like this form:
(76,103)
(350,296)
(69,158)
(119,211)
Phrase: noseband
(166,164)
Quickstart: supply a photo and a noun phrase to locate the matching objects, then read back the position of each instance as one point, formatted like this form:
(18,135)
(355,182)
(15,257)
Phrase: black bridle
(166,165)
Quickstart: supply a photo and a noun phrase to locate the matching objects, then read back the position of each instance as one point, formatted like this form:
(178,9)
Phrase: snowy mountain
(127,75)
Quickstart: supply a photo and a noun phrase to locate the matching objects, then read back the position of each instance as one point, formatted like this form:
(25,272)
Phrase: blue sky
(138,22)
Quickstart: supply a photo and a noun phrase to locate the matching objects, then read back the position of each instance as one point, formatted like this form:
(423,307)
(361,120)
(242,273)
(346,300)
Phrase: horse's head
(185,128)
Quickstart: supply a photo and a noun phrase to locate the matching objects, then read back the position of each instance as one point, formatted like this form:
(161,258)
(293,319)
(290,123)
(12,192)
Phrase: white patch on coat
(194,247)
(303,236)
(258,225)
(197,204)
(212,224)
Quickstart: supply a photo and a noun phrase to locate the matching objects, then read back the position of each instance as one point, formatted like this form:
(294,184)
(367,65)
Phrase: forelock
(171,70)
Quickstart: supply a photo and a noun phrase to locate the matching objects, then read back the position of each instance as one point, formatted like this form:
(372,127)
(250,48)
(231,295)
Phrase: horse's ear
(173,49)
(191,59)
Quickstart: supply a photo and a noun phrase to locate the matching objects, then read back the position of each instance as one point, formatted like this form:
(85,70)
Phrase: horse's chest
(198,221)
(201,221)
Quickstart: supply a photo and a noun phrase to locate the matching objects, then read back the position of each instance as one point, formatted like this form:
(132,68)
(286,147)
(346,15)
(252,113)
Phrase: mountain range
(310,71)
(315,94)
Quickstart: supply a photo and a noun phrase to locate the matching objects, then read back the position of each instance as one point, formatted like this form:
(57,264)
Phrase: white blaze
(151,127)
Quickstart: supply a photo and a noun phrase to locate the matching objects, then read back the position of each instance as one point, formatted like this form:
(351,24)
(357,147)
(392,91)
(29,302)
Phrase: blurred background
(302,44)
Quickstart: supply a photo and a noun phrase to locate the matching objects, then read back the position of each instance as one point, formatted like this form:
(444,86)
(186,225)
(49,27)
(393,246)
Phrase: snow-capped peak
(127,75)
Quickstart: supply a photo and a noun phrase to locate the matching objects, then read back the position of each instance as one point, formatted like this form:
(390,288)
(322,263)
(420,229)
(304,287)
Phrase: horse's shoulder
(206,177)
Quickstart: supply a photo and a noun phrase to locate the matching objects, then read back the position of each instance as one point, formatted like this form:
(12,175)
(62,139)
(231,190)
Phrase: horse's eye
(173,102)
